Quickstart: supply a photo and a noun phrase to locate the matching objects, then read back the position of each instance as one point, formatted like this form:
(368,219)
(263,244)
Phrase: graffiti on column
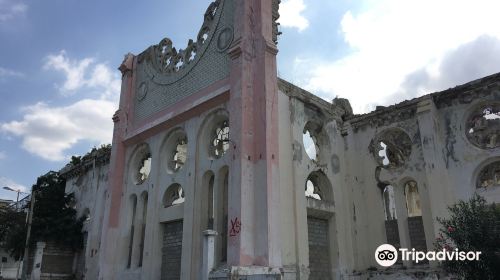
(235,227)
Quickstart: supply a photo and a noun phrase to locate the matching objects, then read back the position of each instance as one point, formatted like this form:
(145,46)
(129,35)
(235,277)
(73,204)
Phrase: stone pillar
(208,253)
(439,193)
(37,261)
(402,214)
(112,251)
(253,222)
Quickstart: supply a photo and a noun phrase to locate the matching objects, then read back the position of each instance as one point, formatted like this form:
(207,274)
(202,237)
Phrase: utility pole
(26,246)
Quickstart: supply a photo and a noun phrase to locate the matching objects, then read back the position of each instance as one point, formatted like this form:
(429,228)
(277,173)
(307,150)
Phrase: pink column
(254,180)
(116,171)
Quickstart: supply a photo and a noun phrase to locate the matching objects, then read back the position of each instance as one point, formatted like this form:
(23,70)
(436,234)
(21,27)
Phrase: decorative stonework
(391,148)
(465,94)
(276,16)
(143,91)
(483,126)
(489,176)
(225,39)
(164,59)
(384,116)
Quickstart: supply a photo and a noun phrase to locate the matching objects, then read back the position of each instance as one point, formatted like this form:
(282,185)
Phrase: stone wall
(319,257)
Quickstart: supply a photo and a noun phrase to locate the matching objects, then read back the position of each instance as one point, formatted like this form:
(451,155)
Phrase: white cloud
(79,76)
(10,9)
(392,39)
(5,73)
(291,14)
(48,130)
(6,182)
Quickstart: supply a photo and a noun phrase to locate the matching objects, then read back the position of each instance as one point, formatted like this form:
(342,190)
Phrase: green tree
(12,231)
(472,226)
(53,218)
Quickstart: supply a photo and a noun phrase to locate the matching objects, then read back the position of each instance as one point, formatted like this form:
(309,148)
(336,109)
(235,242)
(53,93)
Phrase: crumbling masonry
(208,175)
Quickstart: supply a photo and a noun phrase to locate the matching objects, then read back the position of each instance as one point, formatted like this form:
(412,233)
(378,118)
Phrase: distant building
(5,203)
(209,175)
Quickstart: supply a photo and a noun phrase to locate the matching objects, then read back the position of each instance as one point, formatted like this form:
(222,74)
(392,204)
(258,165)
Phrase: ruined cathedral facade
(208,176)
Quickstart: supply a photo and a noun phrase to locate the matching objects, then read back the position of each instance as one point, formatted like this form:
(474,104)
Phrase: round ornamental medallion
(225,39)
(142,91)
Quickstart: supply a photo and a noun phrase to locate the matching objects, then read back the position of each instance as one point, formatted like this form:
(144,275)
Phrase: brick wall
(57,259)
(171,251)
(417,234)
(392,233)
(212,66)
(319,257)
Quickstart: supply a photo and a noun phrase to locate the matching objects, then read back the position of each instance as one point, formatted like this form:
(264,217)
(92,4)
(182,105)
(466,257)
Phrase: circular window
(391,148)
(176,150)
(489,176)
(220,139)
(483,126)
(314,139)
(141,164)
(309,145)
(173,195)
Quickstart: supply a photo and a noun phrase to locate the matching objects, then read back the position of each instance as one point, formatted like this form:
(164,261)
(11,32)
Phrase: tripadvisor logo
(386,255)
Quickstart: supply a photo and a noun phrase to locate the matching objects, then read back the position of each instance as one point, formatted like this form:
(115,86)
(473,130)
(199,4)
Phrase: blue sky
(58,58)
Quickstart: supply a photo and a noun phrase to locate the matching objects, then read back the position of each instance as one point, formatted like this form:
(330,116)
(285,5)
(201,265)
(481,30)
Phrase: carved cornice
(166,65)
(385,116)
(463,94)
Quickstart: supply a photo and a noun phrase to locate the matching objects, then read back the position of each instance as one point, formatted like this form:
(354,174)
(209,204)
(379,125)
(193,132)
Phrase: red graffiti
(235,227)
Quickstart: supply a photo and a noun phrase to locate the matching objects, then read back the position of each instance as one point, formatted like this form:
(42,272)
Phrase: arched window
(133,208)
(211,205)
(415,221)
(224,228)
(175,150)
(180,154)
(318,187)
(309,145)
(220,139)
(391,148)
(143,226)
(389,203)
(313,191)
(412,199)
(173,195)
(141,164)
(314,139)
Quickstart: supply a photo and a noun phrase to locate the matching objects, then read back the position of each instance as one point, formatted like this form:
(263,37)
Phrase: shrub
(472,226)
